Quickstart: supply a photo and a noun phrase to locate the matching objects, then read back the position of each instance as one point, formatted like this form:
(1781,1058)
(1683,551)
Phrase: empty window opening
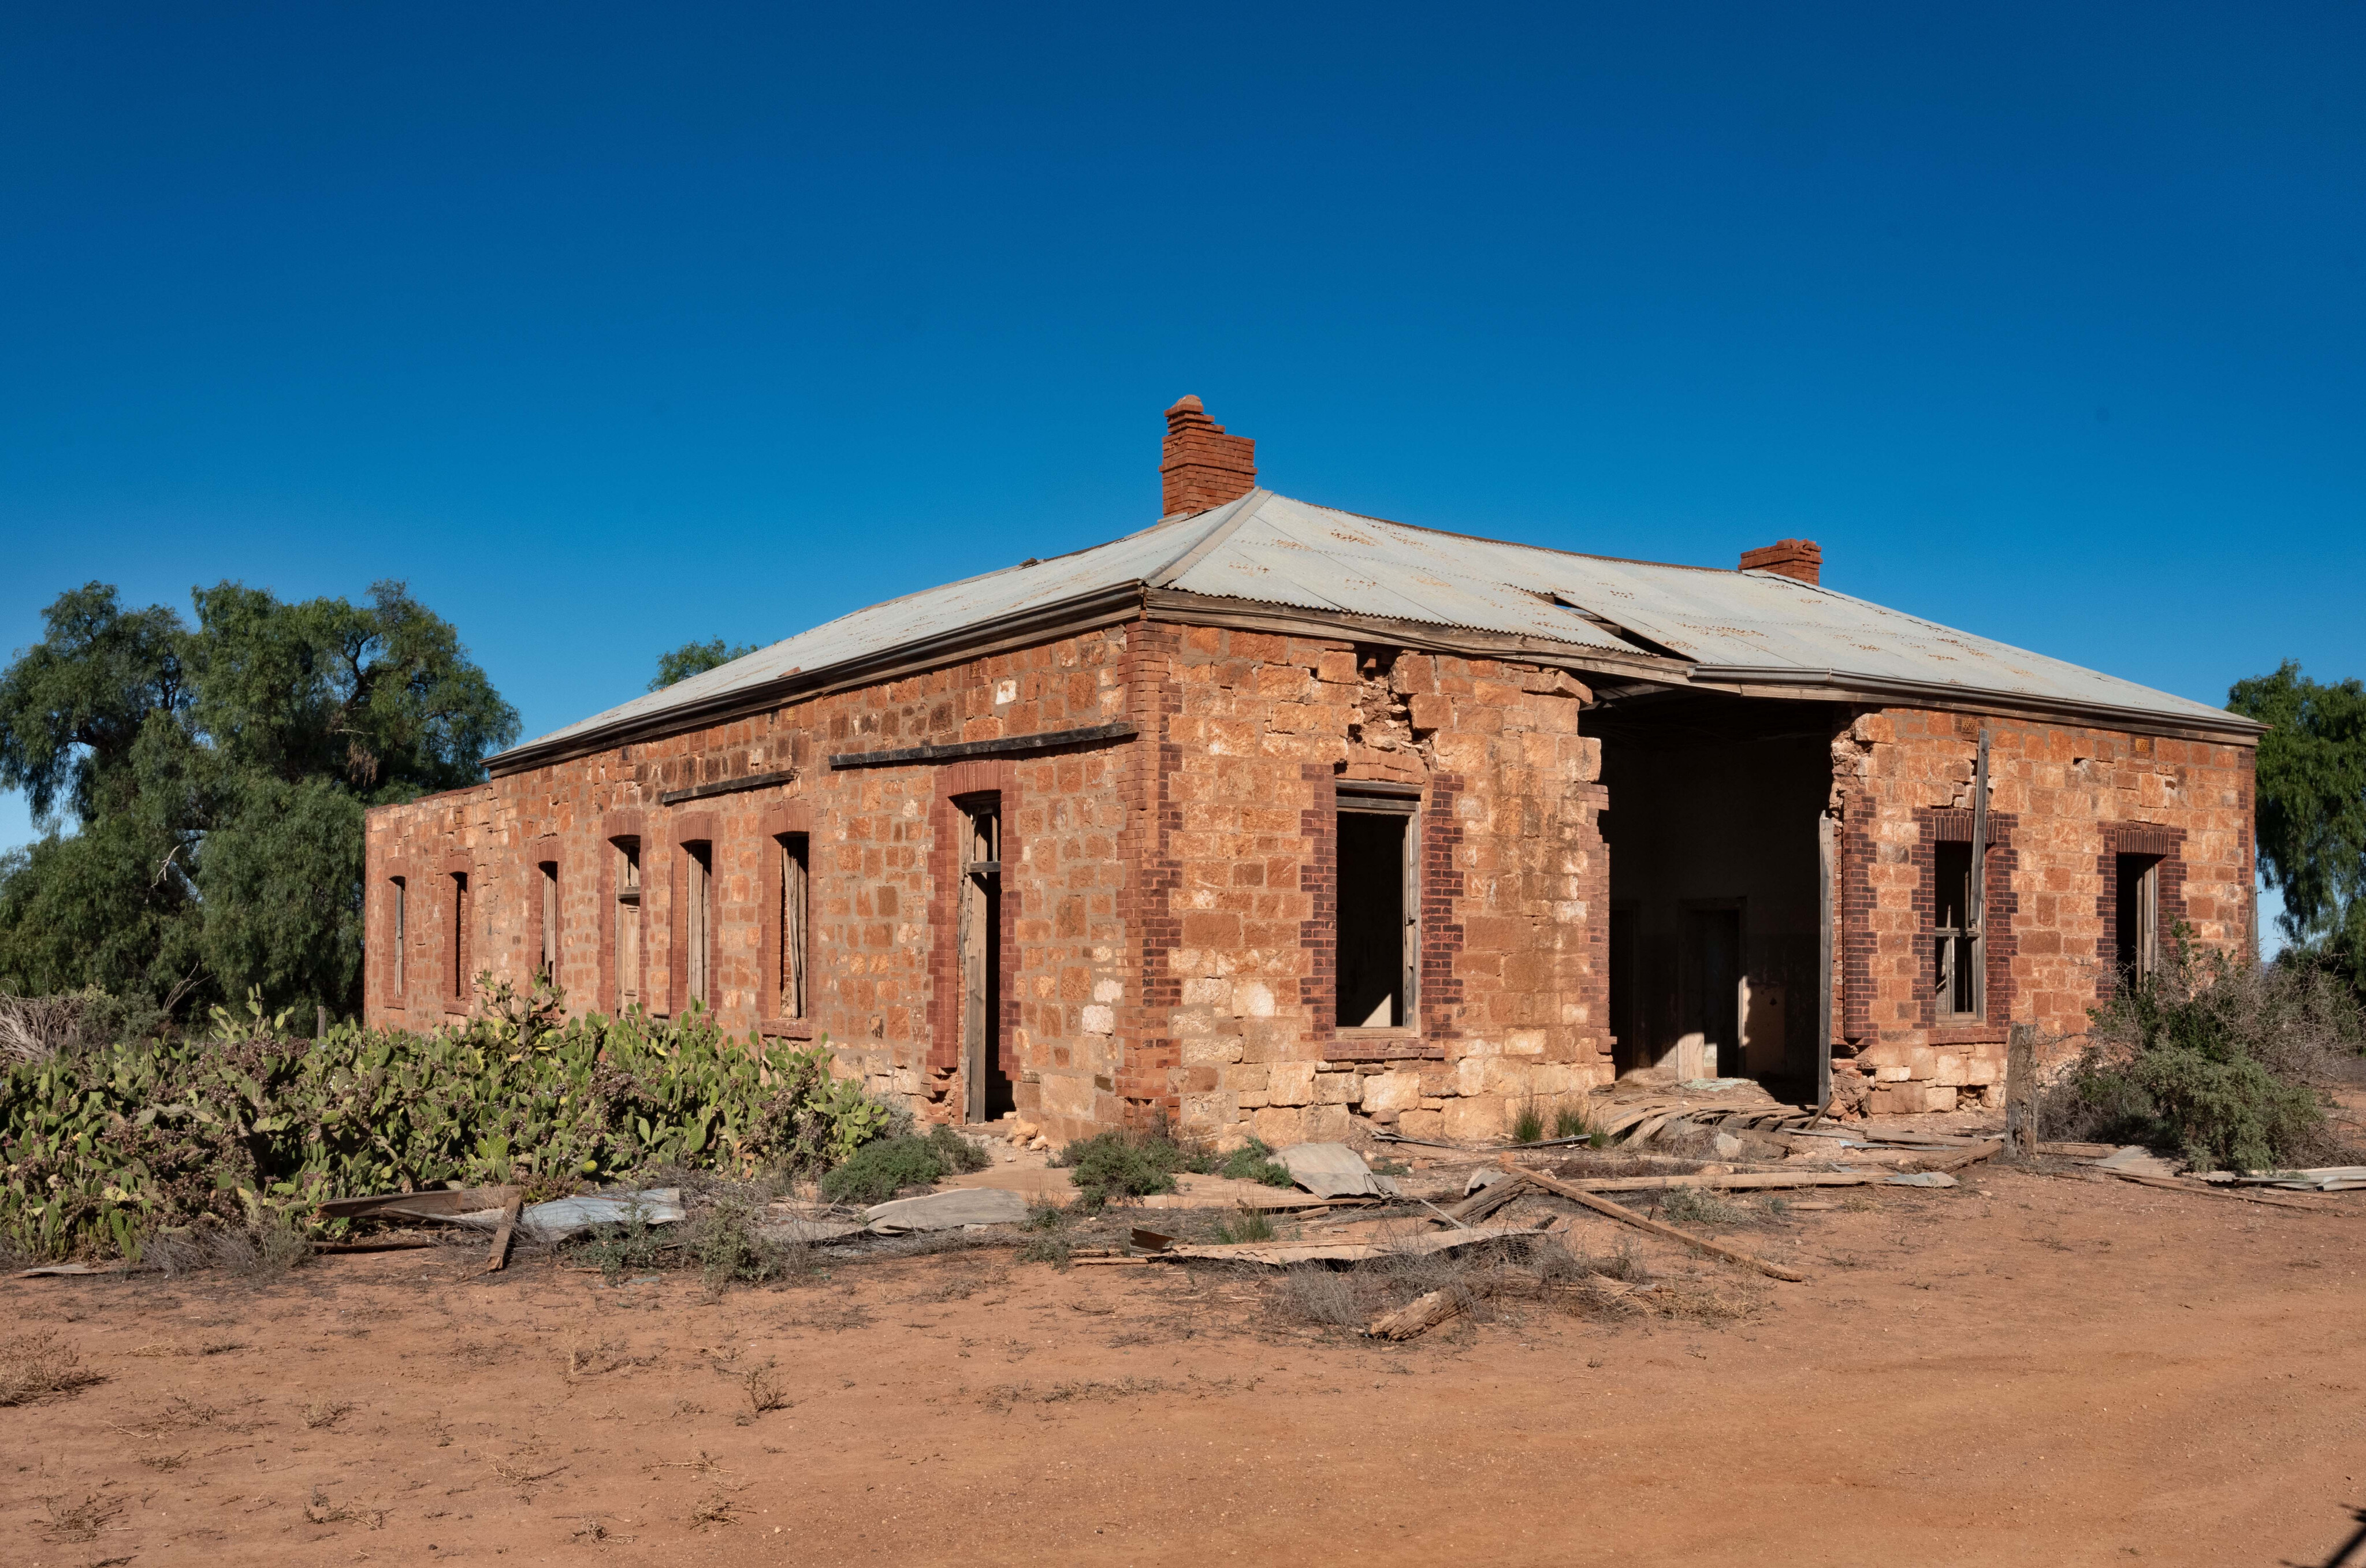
(984,1062)
(401,928)
(2137,936)
(459,935)
(1956,937)
(698,925)
(1376,948)
(628,924)
(550,921)
(795,869)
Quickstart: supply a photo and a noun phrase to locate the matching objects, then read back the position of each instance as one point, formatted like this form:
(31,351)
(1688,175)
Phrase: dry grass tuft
(322,1413)
(263,1251)
(767,1390)
(34,1366)
(83,1520)
(718,1506)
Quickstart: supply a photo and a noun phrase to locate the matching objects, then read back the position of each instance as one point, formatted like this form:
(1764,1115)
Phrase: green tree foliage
(215,777)
(2312,808)
(697,659)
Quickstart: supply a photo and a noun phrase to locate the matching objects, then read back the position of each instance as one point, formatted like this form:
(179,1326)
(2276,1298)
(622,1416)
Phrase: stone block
(1280,1126)
(1892,1072)
(1391,1091)
(1422,1123)
(1983,1068)
(1338,1089)
(1290,1083)
(1327,1124)
(1951,1066)
(1474,1119)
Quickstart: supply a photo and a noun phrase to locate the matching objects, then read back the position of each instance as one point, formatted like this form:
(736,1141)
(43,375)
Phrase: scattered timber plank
(389,1244)
(1747,1182)
(435,1204)
(1628,1216)
(2079,1151)
(1487,1200)
(1648,1125)
(1418,1316)
(1152,1241)
(1968,1156)
(501,1257)
(1449,1219)
(2170,1184)
(1281,1255)
(1109,1262)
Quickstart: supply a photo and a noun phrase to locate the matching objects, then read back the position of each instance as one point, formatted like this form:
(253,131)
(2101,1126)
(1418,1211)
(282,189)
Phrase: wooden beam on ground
(2170,1184)
(1627,1216)
(509,1211)
(1744,1181)
(1418,1316)
(1969,1156)
(1487,1200)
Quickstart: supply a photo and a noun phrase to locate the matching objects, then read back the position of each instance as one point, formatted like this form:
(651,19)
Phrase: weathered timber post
(2021,1092)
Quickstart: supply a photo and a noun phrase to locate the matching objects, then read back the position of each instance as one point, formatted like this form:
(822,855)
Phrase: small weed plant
(1529,1123)
(1245,1224)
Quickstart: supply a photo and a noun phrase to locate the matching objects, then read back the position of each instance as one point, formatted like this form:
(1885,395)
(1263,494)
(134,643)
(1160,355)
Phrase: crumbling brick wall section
(878,934)
(1511,885)
(2064,799)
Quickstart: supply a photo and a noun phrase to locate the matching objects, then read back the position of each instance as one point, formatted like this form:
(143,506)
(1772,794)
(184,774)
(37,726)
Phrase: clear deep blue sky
(608,328)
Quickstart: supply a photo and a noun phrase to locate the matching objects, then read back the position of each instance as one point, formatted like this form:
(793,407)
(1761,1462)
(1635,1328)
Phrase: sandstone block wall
(1240,874)
(881,950)
(2064,800)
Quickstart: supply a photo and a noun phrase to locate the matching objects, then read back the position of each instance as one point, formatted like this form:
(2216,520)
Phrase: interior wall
(1712,826)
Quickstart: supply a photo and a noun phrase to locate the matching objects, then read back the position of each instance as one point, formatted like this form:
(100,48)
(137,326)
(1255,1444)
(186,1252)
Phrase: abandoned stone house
(1268,817)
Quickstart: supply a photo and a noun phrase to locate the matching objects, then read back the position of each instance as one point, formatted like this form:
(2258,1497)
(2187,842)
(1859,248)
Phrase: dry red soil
(2025,1369)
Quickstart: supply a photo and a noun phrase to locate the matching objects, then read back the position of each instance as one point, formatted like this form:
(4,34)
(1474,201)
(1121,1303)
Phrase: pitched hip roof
(1747,631)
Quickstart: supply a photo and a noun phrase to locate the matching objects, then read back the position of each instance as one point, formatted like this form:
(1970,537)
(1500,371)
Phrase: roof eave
(1826,686)
(1103,605)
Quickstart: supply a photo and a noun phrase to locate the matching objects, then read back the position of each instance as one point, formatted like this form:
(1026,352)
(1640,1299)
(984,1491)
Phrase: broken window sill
(787,1027)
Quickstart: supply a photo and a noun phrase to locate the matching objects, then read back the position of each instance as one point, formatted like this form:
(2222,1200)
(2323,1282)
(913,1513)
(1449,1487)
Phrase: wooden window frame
(400,920)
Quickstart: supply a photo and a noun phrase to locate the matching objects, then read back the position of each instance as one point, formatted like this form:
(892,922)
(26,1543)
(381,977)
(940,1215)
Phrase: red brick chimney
(1802,558)
(1203,467)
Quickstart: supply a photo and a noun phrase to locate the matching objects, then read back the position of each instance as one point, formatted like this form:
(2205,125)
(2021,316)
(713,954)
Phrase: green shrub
(727,1242)
(1124,1163)
(113,1142)
(880,1170)
(2215,1059)
(1255,1162)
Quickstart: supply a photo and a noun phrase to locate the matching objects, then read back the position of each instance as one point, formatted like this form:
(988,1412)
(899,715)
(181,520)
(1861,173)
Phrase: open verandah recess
(1720,884)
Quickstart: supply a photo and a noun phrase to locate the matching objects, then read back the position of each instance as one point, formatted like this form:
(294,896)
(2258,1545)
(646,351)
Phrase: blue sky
(610,327)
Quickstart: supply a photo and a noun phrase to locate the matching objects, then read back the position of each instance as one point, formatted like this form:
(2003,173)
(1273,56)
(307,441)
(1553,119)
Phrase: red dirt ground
(2027,1369)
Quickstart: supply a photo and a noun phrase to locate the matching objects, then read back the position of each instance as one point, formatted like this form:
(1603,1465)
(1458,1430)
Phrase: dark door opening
(1626,1010)
(1374,984)
(984,1059)
(1712,1021)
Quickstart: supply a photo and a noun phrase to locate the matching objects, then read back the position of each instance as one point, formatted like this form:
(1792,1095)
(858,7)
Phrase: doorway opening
(1714,898)
(985,1066)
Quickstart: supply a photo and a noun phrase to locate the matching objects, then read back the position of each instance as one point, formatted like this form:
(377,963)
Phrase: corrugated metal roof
(1266,549)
